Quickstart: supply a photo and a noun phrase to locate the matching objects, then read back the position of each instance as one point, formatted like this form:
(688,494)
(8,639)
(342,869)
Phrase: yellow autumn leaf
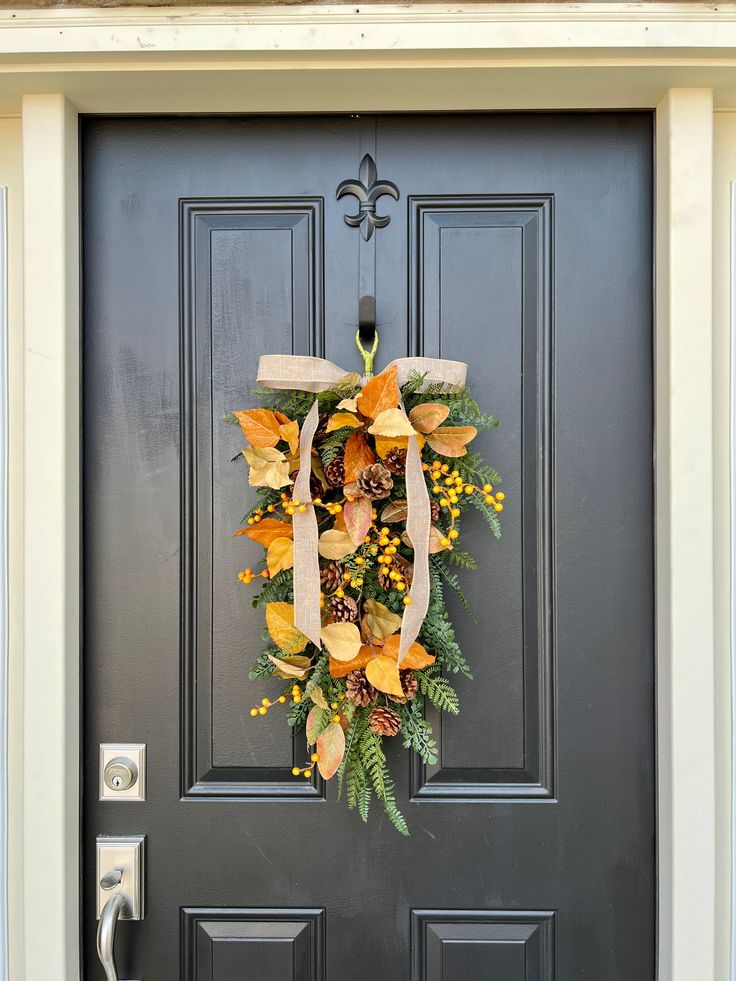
(342,419)
(268,467)
(349,405)
(318,697)
(380,621)
(290,432)
(280,555)
(296,666)
(383,674)
(335,545)
(342,640)
(428,416)
(391,422)
(280,623)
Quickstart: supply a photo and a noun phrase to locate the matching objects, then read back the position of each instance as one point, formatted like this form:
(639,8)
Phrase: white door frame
(304,59)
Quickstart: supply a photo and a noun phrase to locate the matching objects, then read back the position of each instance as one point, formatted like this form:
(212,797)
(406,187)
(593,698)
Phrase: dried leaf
(338,669)
(339,524)
(267,530)
(391,422)
(383,674)
(296,666)
(451,440)
(380,621)
(318,697)
(313,723)
(386,443)
(268,467)
(280,623)
(335,545)
(260,427)
(318,470)
(280,556)
(436,537)
(341,419)
(415,658)
(350,405)
(358,517)
(331,749)
(428,416)
(395,511)
(281,418)
(358,455)
(290,432)
(342,640)
(381,392)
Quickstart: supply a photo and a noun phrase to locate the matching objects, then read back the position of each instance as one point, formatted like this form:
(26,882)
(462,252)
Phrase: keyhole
(117,782)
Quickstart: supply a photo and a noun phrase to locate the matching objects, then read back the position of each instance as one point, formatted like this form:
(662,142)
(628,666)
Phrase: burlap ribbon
(316,375)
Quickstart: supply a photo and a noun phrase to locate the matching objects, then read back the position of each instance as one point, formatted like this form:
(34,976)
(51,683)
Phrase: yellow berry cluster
(306,771)
(449,485)
(385,548)
(247,575)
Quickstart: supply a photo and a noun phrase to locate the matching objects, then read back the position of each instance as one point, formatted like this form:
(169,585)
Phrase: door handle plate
(120,864)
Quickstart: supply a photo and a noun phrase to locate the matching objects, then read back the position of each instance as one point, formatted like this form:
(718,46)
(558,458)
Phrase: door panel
(522,245)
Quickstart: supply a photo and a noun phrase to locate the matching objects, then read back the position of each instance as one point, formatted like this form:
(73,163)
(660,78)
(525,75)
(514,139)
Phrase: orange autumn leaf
(358,455)
(386,443)
(260,427)
(281,417)
(331,749)
(338,669)
(267,530)
(290,434)
(381,392)
(415,658)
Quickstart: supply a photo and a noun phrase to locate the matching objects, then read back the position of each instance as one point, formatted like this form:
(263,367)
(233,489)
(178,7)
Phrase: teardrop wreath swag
(356,681)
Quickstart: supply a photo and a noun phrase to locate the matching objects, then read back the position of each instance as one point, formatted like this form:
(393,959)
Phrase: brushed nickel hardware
(119,892)
(367,189)
(123,771)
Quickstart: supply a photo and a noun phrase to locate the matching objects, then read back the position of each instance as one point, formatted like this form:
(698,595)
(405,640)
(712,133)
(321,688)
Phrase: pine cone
(344,609)
(359,690)
(335,472)
(374,482)
(410,685)
(395,461)
(435,510)
(321,430)
(331,577)
(384,721)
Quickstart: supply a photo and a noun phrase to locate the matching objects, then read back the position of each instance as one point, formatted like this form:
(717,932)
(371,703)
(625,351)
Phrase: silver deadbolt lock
(123,771)
(120,773)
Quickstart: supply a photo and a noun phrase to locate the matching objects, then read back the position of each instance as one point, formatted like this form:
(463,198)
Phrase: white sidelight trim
(51,535)
(684,534)
(3,583)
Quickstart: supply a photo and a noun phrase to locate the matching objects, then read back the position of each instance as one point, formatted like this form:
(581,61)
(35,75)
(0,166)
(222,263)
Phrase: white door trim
(684,467)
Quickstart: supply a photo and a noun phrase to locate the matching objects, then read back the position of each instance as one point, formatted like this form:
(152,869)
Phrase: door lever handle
(106,933)
(119,892)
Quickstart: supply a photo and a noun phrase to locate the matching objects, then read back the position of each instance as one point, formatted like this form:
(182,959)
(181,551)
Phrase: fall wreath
(351,473)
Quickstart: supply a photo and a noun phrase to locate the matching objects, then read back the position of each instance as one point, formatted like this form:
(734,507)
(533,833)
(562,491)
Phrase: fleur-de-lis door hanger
(367,189)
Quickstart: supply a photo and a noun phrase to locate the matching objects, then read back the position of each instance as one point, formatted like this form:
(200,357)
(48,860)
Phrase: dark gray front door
(522,245)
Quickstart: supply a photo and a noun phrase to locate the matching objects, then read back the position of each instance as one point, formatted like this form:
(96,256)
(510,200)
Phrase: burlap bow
(316,375)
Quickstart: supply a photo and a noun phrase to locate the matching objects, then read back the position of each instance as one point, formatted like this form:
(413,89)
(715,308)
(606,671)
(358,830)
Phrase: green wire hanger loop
(367,355)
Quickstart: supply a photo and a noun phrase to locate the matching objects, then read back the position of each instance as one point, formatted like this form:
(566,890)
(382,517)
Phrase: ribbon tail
(418,522)
(306,556)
